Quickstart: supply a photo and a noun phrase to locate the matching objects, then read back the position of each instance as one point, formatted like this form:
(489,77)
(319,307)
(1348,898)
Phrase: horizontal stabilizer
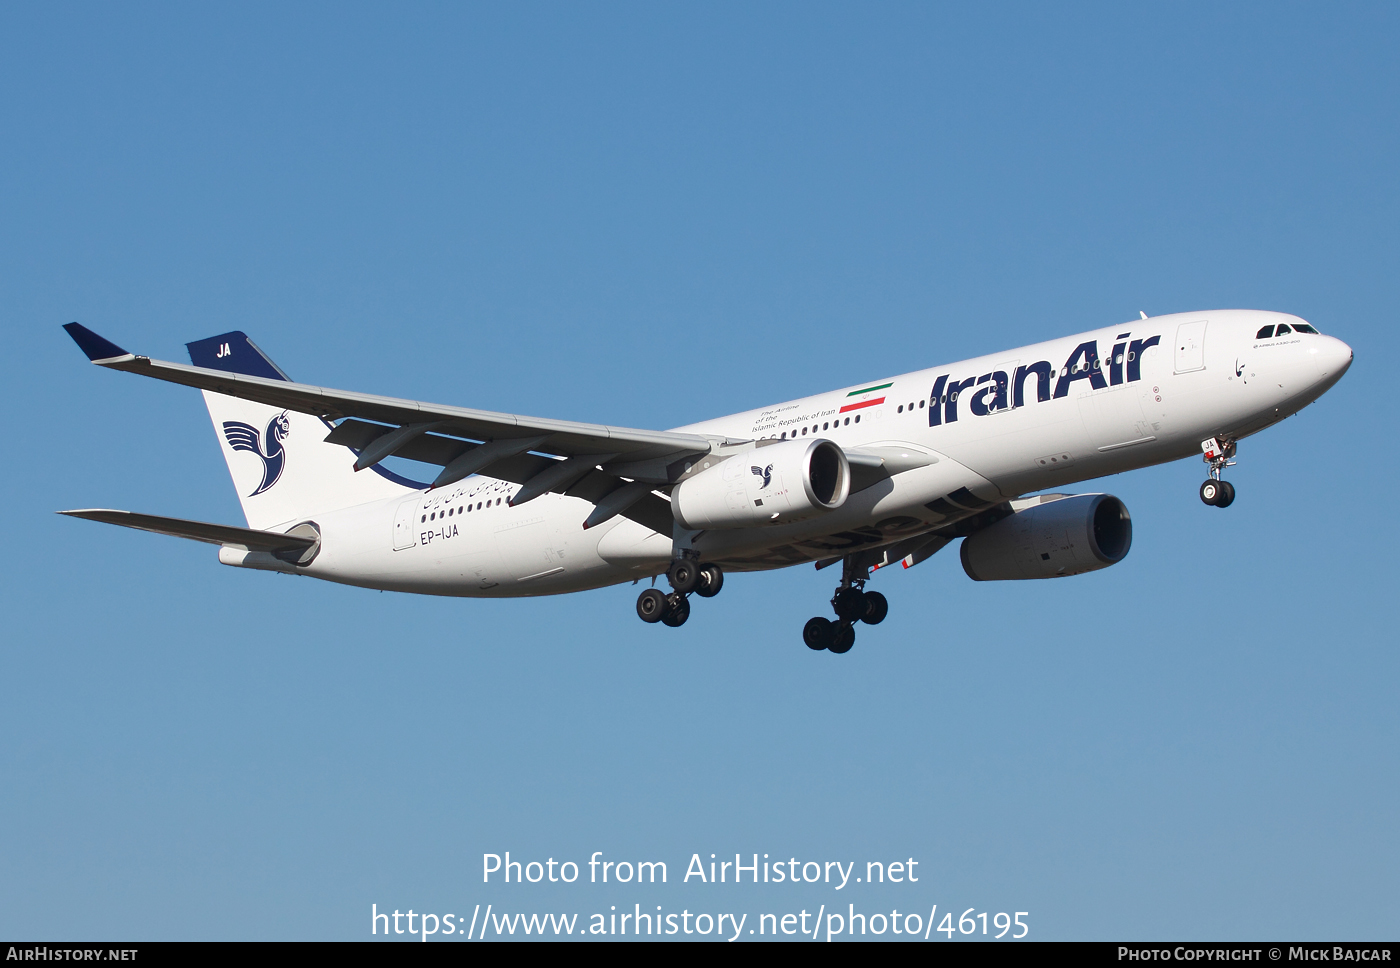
(287,546)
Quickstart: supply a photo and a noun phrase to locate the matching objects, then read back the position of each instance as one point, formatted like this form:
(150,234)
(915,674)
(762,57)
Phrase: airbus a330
(879,473)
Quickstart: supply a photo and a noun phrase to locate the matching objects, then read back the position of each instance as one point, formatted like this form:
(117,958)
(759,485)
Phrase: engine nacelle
(1068,536)
(774,484)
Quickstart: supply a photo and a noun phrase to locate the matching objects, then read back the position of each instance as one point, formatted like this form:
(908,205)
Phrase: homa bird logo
(764,472)
(241,436)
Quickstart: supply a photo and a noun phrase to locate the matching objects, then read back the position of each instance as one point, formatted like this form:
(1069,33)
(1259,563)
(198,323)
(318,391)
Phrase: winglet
(96,348)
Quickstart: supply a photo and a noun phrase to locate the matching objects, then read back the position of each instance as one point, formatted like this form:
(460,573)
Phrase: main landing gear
(686,575)
(1215,491)
(852,603)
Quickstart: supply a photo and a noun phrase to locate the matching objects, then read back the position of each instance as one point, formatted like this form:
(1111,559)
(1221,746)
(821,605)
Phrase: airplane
(883,472)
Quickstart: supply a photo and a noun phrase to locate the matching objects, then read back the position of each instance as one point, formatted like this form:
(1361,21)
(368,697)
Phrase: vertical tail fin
(281,465)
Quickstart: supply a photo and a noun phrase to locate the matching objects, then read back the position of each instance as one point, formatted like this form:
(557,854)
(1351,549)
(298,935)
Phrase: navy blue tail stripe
(235,353)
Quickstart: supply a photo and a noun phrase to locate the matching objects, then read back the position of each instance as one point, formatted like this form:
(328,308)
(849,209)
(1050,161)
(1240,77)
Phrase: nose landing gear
(685,575)
(852,604)
(1215,491)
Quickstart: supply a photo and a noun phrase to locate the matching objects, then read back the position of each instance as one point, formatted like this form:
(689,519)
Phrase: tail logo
(764,472)
(241,436)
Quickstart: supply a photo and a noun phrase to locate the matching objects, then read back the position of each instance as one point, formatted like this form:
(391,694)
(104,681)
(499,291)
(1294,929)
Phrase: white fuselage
(1114,404)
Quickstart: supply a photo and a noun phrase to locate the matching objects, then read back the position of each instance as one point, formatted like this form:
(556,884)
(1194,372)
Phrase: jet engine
(1062,536)
(778,483)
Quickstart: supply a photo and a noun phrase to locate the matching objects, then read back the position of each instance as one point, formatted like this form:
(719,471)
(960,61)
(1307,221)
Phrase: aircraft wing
(637,454)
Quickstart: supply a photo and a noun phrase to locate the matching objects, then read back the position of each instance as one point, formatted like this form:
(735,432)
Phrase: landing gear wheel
(651,605)
(876,608)
(677,611)
(684,575)
(819,633)
(711,581)
(844,638)
(1211,492)
(1227,495)
(850,604)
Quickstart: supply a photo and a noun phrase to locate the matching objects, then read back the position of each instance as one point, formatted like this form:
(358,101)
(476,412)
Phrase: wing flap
(651,511)
(654,512)
(429,448)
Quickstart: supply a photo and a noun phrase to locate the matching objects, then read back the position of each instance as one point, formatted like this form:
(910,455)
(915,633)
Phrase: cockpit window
(1283,329)
(1264,333)
(1304,328)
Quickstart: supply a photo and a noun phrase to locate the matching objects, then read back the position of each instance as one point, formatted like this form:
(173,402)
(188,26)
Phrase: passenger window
(1283,328)
(921,404)
(1305,328)
(848,421)
(804,431)
(899,409)
(1264,333)
(824,426)
(857,418)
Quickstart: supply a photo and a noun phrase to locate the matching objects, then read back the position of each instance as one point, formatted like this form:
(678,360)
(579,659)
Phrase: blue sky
(649,215)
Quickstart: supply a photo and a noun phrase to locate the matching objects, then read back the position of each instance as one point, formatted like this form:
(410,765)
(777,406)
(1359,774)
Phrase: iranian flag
(866,397)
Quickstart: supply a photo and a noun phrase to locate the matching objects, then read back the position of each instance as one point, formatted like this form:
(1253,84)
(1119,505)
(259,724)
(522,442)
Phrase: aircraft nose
(1333,358)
